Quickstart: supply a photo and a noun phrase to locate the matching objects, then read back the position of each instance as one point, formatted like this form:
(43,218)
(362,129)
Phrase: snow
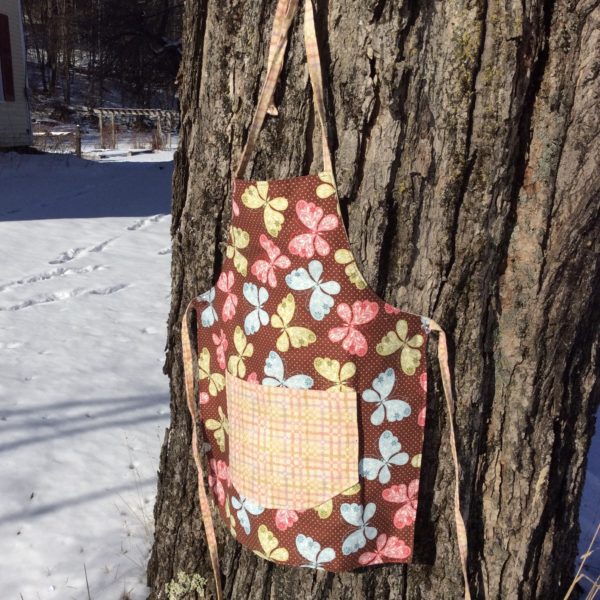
(84,295)
(589,516)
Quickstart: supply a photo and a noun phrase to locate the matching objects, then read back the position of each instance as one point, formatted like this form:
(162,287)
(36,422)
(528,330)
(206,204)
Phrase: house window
(7,84)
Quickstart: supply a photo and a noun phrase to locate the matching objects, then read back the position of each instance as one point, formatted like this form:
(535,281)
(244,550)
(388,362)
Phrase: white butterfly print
(359,516)
(275,374)
(390,410)
(255,318)
(209,314)
(312,552)
(244,506)
(321,301)
(391,454)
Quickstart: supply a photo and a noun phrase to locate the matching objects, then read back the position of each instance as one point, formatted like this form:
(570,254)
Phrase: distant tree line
(128,48)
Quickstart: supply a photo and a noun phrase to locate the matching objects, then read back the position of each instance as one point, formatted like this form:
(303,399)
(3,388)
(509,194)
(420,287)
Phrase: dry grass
(581,576)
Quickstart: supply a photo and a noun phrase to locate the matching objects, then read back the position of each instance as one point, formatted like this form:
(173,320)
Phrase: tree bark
(465,139)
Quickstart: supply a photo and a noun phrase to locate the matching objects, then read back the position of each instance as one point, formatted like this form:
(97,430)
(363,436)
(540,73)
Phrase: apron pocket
(291,448)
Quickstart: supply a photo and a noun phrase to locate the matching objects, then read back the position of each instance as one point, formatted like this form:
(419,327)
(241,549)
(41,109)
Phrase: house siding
(15,120)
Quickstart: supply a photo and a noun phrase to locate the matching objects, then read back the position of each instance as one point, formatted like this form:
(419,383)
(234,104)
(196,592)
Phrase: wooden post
(100,130)
(78,141)
(170,126)
(114,133)
(159,140)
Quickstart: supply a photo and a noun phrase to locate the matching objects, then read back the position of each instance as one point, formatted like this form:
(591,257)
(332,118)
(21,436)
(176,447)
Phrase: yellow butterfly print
(324,510)
(257,196)
(416,461)
(326,188)
(296,336)
(344,257)
(239,240)
(270,545)
(230,518)
(236,364)
(216,381)
(333,371)
(219,429)
(410,357)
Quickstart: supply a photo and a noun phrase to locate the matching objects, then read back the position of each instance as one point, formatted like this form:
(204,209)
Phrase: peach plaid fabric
(284,15)
(291,448)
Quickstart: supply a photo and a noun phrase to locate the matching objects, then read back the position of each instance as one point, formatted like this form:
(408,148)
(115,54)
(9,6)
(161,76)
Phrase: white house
(15,120)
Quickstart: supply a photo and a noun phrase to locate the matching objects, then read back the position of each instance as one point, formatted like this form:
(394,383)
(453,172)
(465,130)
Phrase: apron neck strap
(286,9)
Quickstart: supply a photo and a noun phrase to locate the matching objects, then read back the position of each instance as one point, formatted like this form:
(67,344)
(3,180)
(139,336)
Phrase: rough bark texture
(465,139)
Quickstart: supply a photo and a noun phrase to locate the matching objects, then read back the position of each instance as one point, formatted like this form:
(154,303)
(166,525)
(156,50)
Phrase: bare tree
(134,45)
(466,140)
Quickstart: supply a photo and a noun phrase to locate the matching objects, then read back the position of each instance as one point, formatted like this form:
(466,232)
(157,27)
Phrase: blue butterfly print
(425,324)
(275,372)
(391,410)
(243,507)
(320,302)
(311,551)
(209,314)
(256,297)
(359,516)
(389,447)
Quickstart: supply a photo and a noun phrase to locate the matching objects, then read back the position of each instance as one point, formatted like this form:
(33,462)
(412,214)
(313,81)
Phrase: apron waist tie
(205,513)
(461,532)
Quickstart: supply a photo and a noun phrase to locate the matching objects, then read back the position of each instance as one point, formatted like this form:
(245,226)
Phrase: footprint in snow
(10,345)
(73,253)
(52,274)
(145,222)
(64,295)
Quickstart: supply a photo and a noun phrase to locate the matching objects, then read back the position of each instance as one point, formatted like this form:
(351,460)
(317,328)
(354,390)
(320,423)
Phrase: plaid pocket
(291,448)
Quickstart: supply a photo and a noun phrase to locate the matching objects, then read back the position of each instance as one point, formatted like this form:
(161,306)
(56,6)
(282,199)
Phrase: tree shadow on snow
(50,423)
(54,186)
(39,511)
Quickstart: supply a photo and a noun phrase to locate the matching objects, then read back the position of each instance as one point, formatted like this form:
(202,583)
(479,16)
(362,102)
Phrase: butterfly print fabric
(324,472)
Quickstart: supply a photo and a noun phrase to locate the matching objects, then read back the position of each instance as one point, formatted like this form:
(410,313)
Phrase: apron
(312,388)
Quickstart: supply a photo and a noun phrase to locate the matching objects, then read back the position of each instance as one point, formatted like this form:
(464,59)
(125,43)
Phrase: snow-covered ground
(589,516)
(84,294)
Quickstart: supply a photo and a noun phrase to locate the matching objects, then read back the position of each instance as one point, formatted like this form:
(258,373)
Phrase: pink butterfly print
(305,244)
(236,209)
(391,310)
(225,284)
(253,377)
(203,398)
(387,547)
(408,497)
(353,341)
(421,417)
(222,344)
(423,381)
(284,518)
(220,477)
(265,269)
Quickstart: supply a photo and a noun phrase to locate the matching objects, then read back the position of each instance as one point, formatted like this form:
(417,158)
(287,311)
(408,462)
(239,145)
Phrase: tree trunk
(465,137)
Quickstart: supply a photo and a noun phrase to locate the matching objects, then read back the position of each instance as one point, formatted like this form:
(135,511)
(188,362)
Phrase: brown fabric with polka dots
(291,309)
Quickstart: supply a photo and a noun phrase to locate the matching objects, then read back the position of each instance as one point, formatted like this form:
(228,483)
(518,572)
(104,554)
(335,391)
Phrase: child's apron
(312,389)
